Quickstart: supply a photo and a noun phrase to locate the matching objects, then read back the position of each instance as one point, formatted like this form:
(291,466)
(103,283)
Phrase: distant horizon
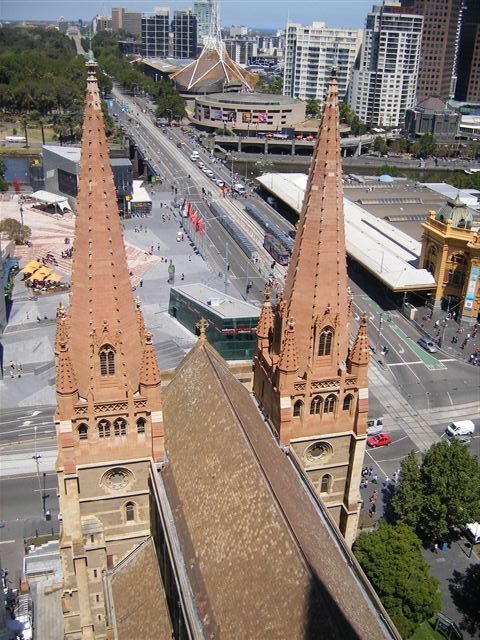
(267,14)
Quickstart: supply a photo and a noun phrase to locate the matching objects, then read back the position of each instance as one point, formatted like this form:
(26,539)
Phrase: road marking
(7,541)
(401,364)
(448,360)
(450,398)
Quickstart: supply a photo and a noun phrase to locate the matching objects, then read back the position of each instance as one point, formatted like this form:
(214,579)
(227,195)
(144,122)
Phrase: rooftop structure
(389,254)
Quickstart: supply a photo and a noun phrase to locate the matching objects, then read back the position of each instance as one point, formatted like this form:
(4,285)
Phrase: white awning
(46,197)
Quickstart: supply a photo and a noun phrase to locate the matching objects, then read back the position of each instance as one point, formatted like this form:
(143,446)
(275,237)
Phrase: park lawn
(426,632)
(34,132)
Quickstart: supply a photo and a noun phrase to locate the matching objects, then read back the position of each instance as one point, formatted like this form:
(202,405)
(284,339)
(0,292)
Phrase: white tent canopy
(45,197)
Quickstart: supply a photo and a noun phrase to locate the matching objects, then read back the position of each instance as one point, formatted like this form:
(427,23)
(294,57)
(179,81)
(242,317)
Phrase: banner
(262,117)
(200,226)
(471,288)
(216,114)
(246,116)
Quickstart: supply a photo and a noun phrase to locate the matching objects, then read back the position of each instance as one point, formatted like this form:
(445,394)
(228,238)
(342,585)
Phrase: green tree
(3,182)
(379,144)
(426,146)
(15,231)
(392,559)
(313,108)
(449,495)
(267,84)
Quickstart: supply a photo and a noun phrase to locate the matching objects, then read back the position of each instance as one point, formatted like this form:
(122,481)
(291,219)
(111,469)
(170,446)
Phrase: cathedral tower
(109,414)
(309,384)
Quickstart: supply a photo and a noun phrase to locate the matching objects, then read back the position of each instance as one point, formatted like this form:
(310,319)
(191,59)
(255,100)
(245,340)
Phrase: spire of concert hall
(102,310)
(316,289)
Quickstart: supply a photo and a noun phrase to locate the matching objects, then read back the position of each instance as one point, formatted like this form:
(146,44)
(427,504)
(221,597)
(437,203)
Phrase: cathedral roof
(138,605)
(101,302)
(316,282)
(252,535)
(456,211)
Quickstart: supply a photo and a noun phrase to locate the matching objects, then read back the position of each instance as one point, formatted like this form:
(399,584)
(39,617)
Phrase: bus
(276,249)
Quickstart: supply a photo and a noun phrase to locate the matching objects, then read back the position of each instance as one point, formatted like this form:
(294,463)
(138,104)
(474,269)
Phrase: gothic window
(107,360)
(347,402)
(456,277)
(297,409)
(325,342)
(315,405)
(459,258)
(120,427)
(104,429)
(82,431)
(129,511)
(326,483)
(329,406)
(141,424)
(431,261)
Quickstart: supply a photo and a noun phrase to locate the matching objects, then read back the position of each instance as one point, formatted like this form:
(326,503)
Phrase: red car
(381,440)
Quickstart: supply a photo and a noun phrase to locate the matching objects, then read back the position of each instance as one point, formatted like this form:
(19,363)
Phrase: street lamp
(37,457)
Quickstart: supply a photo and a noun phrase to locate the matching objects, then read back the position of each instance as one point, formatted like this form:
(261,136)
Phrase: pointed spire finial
(202,326)
(288,358)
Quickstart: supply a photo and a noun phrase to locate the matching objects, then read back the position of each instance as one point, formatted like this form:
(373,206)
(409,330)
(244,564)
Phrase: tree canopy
(348,115)
(3,182)
(313,108)
(441,493)
(269,84)
(15,231)
(392,559)
(425,146)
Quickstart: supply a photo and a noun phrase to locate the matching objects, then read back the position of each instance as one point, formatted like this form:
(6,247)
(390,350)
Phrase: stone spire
(102,310)
(65,380)
(150,373)
(316,288)
(360,353)
(288,362)
(265,322)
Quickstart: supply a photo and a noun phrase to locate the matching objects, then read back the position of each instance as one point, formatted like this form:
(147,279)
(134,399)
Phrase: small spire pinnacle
(265,321)
(202,326)
(288,358)
(360,353)
(150,373)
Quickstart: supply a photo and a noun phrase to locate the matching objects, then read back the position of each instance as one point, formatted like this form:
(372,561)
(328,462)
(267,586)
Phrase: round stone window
(318,451)
(117,478)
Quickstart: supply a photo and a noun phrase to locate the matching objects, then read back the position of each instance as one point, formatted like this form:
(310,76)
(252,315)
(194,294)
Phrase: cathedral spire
(288,362)
(316,289)
(265,322)
(103,318)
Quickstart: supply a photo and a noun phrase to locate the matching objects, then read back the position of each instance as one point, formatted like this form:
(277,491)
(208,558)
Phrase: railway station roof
(388,253)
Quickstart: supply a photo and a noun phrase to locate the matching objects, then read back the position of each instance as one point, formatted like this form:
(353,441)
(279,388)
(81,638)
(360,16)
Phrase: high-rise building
(129,21)
(311,387)
(203,10)
(383,83)
(438,59)
(109,415)
(241,50)
(156,33)
(311,52)
(101,23)
(184,29)
(117,17)
(468,75)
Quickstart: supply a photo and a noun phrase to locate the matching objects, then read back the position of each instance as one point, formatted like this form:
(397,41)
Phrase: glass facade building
(232,323)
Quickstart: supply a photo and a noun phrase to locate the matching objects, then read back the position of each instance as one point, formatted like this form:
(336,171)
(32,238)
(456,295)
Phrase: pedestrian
(386,481)
(435,547)
(375,479)
(141,283)
(158,247)
(182,277)
(189,258)
(437,324)
(370,471)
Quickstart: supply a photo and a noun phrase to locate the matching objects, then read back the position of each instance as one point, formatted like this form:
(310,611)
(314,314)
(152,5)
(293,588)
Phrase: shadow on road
(465,591)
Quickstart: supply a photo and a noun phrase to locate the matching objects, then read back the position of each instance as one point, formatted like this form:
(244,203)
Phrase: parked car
(472,531)
(220,183)
(428,345)
(380,440)
(374,426)
(461,428)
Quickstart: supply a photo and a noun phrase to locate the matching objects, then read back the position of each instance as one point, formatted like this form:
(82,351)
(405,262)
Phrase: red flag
(194,218)
(200,226)
(190,210)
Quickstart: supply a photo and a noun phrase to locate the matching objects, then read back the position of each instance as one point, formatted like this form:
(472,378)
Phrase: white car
(208,172)
(220,183)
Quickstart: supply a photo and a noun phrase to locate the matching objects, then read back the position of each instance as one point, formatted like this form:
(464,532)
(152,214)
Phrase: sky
(252,13)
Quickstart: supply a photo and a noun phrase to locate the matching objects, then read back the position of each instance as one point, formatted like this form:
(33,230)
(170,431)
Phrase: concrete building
(101,23)
(432,116)
(149,478)
(241,49)
(203,10)
(156,33)
(310,54)
(238,31)
(129,21)
(184,30)
(383,83)
(245,112)
(439,50)
(117,17)
(311,387)
(451,252)
(468,74)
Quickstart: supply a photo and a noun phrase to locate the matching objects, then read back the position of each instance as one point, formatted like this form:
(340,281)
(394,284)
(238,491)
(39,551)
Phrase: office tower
(438,59)
(311,387)
(203,10)
(468,75)
(184,28)
(117,17)
(311,52)
(155,33)
(383,84)
(101,23)
(241,50)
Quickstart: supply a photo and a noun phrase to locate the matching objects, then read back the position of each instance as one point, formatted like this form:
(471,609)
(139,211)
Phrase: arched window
(107,360)
(120,427)
(329,405)
(141,424)
(315,405)
(297,409)
(104,429)
(325,342)
(326,483)
(129,511)
(347,402)
(459,258)
(82,431)
(461,224)
(431,261)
